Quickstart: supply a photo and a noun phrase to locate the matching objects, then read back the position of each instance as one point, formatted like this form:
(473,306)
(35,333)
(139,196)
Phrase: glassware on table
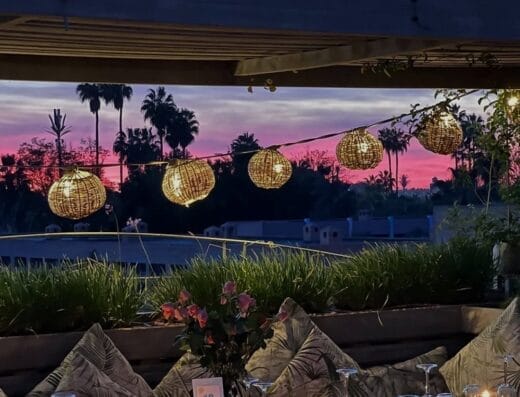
(346,373)
(263,386)
(471,391)
(427,368)
(64,394)
(444,395)
(248,381)
(505,389)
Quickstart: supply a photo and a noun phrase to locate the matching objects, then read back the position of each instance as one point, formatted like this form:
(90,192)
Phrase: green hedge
(74,296)
(69,297)
(382,275)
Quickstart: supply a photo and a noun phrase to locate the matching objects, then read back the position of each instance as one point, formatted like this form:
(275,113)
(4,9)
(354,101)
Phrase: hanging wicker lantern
(440,133)
(77,194)
(187,181)
(269,169)
(359,150)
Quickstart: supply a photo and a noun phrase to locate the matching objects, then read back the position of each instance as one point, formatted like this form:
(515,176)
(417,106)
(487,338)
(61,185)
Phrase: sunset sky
(224,112)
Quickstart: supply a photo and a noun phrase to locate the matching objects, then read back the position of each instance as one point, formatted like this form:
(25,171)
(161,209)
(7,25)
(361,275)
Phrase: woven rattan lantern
(187,181)
(359,150)
(269,169)
(440,133)
(77,194)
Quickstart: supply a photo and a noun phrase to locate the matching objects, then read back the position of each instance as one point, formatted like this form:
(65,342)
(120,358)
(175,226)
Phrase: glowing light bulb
(278,168)
(67,188)
(485,393)
(513,101)
(177,184)
(446,119)
(363,147)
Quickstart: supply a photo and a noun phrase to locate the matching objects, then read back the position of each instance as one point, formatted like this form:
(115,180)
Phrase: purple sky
(224,112)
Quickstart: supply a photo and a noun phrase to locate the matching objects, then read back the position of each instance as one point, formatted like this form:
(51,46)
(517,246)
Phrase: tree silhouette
(404,181)
(117,94)
(159,108)
(58,129)
(92,93)
(181,129)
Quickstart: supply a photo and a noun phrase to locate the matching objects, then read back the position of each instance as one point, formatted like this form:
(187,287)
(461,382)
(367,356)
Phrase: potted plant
(223,338)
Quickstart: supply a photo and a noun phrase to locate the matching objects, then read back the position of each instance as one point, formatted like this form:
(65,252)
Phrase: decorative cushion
(289,336)
(82,377)
(177,382)
(99,350)
(481,360)
(404,377)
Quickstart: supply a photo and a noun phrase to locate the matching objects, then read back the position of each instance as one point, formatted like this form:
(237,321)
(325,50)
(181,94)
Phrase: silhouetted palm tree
(142,147)
(159,108)
(402,143)
(121,149)
(405,181)
(245,142)
(388,138)
(58,129)
(116,94)
(181,130)
(93,94)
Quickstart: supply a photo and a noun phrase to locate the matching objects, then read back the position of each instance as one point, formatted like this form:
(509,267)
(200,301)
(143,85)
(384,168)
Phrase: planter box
(370,337)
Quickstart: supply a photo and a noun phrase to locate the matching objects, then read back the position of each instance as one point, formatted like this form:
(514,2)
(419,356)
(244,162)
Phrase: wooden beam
(439,19)
(339,55)
(137,71)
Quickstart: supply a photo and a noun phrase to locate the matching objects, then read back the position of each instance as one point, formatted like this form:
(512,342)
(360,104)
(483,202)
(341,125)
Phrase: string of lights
(79,193)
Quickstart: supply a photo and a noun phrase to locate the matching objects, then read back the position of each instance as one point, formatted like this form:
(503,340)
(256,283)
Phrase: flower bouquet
(223,338)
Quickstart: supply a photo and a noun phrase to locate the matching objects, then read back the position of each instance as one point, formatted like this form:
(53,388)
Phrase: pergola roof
(335,43)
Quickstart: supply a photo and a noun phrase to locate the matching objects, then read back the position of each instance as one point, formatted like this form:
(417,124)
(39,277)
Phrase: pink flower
(180,314)
(223,299)
(193,310)
(229,288)
(168,311)
(184,296)
(245,302)
(282,315)
(202,318)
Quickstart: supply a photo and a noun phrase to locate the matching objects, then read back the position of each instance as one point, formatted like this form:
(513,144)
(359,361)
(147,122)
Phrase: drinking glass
(471,391)
(444,395)
(249,380)
(64,394)
(427,369)
(505,389)
(346,373)
(263,386)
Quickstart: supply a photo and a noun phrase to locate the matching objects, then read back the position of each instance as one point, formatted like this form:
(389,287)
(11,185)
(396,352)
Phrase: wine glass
(346,373)
(249,380)
(505,389)
(471,391)
(263,386)
(427,369)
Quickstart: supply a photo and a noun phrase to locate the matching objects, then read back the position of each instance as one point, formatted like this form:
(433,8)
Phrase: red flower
(209,339)
(180,314)
(184,296)
(193,310)
(245,302)
(168,311)
(202,318)
(229,288)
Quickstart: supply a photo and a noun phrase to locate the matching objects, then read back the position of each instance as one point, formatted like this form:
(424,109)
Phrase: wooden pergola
(332,43)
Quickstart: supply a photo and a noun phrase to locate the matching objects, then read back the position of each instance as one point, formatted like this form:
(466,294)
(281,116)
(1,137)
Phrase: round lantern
(359,150)
(187,181)
(269,169)
(77,194)
(440,133)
